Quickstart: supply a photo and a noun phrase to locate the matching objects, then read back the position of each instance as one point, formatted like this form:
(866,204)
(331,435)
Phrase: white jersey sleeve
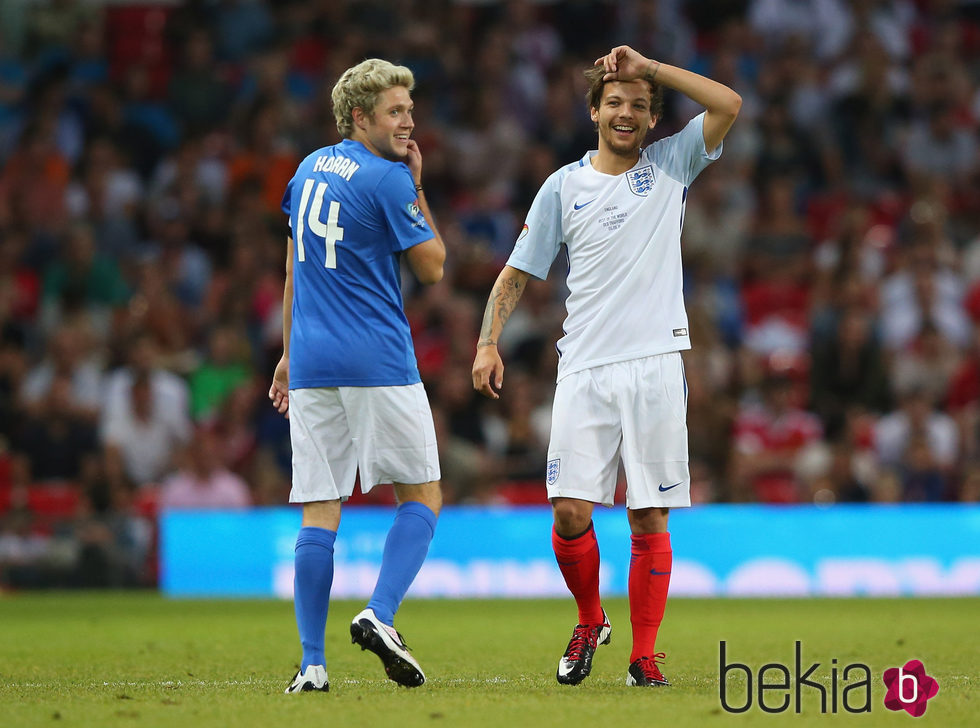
(541,237)
(683,156)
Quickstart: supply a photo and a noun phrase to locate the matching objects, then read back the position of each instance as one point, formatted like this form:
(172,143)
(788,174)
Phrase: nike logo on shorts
(579,207)
(659,573)
(664,490)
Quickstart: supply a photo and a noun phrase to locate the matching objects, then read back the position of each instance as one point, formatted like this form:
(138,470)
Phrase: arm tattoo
(503,300)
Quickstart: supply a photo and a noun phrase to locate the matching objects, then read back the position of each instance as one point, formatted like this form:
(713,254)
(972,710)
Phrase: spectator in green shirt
(225,368)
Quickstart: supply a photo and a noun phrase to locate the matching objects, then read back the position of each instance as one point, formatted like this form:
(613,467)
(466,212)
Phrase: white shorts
(386,433)
(634,409)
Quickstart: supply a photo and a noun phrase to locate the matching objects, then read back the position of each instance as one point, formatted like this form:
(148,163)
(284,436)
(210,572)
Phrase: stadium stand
(833,255)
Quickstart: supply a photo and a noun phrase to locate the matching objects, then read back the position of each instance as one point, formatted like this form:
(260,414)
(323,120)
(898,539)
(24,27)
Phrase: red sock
(649,580)
(578,559)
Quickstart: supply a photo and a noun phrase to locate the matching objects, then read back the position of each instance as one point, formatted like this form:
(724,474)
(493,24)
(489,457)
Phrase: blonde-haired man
(347,379)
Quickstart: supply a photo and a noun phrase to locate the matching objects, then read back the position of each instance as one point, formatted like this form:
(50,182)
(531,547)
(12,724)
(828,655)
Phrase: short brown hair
(594,96)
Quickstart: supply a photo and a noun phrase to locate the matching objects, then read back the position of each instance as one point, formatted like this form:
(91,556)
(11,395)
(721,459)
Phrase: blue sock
(405,550)
(311,587)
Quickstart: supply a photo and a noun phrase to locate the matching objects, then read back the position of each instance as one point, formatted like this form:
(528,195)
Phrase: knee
(428,494)
(322,514)
(433,498)
(648,520)
(571,517)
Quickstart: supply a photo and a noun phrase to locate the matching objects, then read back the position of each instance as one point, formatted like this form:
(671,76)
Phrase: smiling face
(624,117)
(388,128)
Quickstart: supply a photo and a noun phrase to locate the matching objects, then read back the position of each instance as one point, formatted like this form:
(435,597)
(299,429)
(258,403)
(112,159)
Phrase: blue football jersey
(352,213)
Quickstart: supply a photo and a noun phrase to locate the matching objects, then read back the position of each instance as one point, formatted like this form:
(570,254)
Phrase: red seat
(523,492)
(146,502)
(6,469)
(379,496)
(53,500)
(136,34)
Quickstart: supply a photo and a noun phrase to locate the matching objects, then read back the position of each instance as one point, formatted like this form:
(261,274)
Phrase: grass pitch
(141,660)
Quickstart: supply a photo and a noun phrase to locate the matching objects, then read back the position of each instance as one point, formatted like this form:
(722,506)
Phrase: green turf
(141,660)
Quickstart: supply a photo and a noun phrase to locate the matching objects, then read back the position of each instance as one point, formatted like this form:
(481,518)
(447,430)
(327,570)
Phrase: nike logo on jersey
(579,207)
(660,573)
(664,490)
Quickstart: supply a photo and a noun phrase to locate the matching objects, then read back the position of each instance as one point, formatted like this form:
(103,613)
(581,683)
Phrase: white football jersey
(622,235)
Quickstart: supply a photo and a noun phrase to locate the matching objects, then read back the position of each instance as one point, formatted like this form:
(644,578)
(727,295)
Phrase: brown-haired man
(621,392)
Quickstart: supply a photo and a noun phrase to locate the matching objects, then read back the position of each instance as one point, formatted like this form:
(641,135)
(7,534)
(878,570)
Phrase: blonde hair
(361,85)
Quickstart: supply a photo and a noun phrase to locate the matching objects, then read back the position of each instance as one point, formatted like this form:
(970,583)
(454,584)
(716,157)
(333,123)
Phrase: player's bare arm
(426,259)
(279,391)
(721,103)
(488,367)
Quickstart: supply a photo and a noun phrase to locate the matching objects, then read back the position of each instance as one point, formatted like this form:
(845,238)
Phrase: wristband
(655,71)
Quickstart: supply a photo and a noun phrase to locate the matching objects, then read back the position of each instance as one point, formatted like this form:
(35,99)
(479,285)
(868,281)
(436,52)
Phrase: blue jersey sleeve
(287,206)
(540,238)
(287,198)
(682,155)
(399,204)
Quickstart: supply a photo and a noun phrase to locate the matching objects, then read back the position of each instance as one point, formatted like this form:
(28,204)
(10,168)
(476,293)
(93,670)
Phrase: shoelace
(582,635)
(398,635)
(648,666)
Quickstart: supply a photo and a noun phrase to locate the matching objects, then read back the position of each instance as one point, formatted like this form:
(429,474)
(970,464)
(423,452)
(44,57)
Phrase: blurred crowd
(832,256)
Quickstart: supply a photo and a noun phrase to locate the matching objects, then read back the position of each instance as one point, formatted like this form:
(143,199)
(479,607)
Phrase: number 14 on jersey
(330,231)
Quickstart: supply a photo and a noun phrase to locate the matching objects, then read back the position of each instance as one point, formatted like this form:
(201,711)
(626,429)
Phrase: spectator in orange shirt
(266,158)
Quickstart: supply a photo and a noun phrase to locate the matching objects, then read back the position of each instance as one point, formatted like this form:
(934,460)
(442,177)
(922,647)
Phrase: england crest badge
(554,467)
(641,180)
